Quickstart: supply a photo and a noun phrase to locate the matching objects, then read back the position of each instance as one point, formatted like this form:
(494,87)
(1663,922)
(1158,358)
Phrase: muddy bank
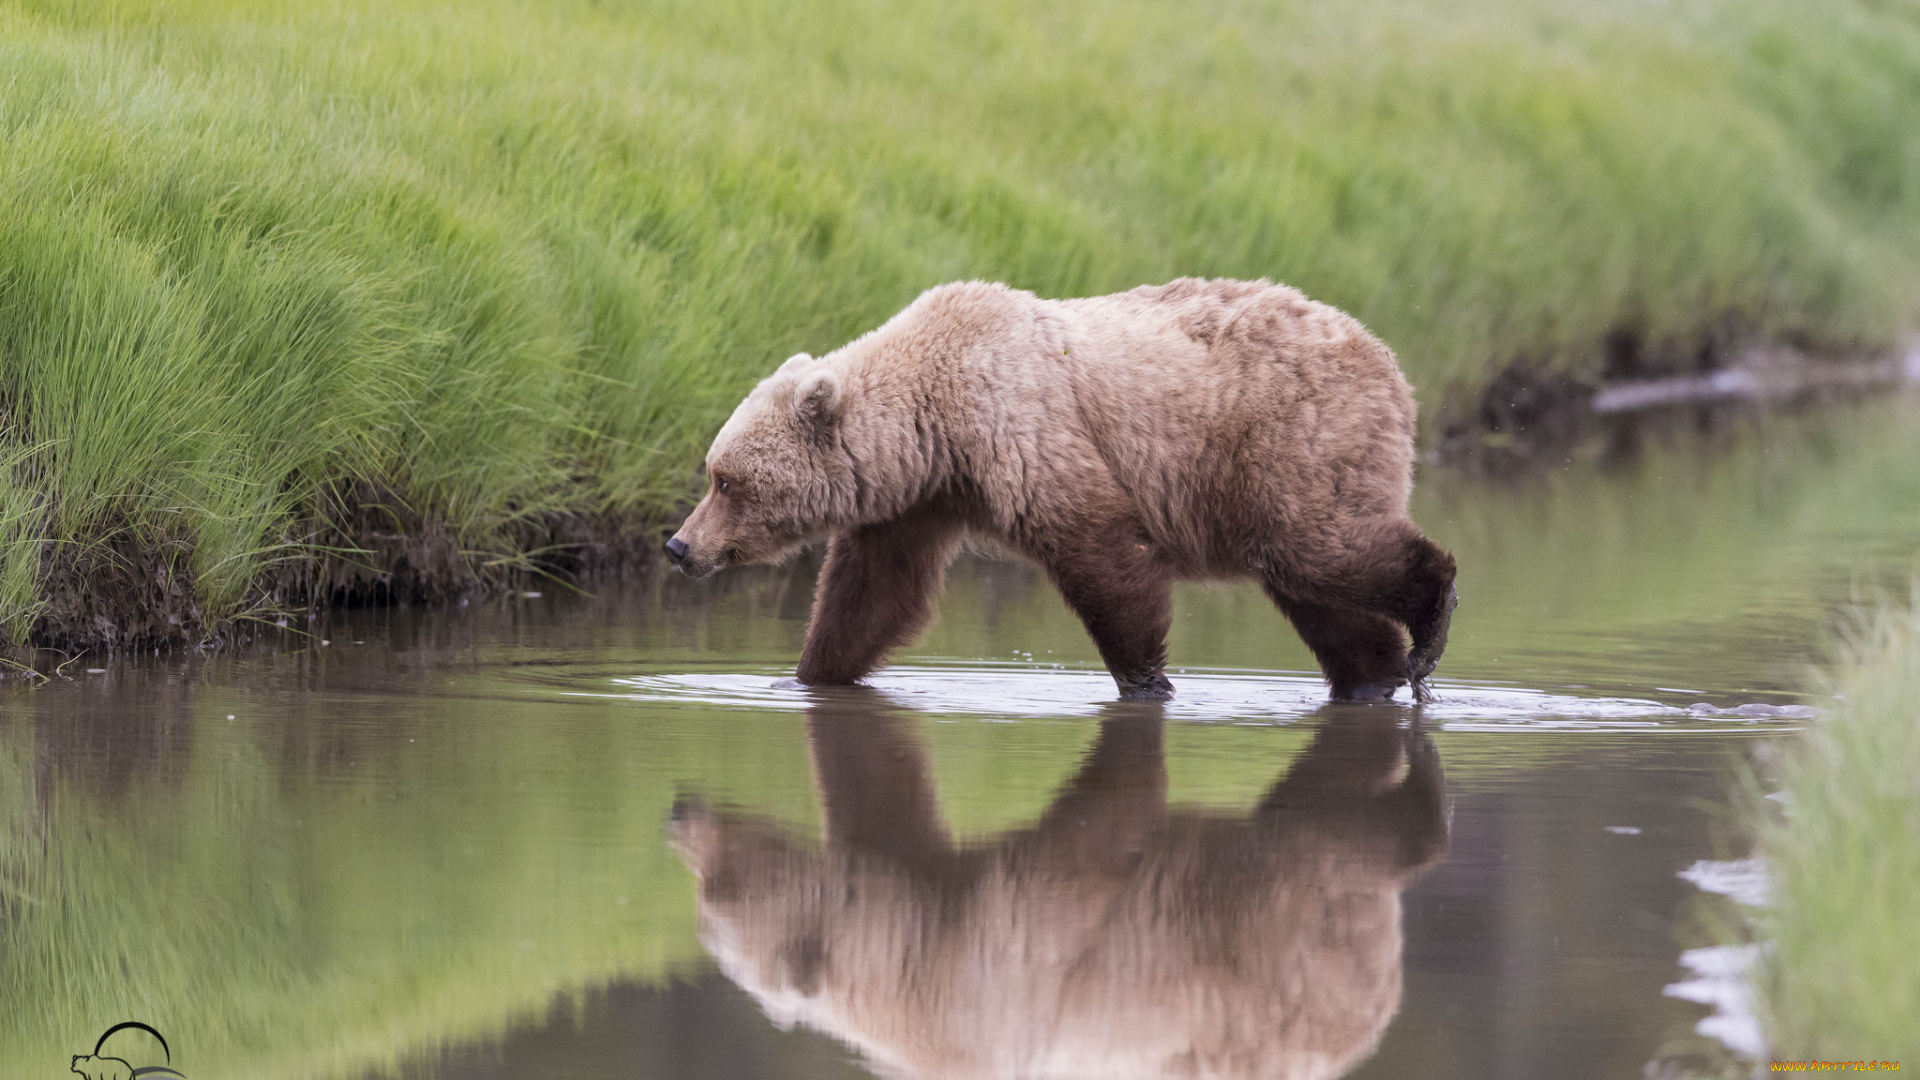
(1531,417)
(136,593)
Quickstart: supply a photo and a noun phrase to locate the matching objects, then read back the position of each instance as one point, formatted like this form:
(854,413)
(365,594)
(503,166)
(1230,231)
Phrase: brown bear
(1199,430)
(1113,938)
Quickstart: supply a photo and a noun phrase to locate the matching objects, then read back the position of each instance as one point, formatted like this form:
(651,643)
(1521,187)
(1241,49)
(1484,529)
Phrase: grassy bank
(294,299)
(1841,982)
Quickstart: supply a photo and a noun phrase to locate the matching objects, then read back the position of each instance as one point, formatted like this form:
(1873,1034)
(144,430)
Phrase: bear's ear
(797,360)
(817,399)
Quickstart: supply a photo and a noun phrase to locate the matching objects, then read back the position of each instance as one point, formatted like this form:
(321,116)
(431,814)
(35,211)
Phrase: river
(463,842)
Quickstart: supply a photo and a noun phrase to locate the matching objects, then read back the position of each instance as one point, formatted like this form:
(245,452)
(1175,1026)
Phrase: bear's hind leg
(876,593)
(1430,640)
(1388,567)
(1423,598)
(1124,597)
(1361,652)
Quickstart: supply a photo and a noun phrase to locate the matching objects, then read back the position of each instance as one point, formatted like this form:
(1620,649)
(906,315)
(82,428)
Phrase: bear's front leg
(1360,652)
(1124,596)
(876,593)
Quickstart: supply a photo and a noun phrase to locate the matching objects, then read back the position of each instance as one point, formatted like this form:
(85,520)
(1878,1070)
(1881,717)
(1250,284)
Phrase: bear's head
(778,476)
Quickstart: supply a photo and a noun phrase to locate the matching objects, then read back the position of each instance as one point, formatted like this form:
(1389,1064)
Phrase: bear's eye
(723,486)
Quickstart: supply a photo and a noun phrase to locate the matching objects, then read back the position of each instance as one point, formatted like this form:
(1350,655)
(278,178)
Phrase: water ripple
(1014,692)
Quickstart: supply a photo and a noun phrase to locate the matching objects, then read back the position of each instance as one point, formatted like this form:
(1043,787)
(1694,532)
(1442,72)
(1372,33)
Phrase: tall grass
(1841,981)
(270,273)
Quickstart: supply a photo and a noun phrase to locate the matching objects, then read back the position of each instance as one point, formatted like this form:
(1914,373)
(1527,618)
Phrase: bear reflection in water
(1114,938)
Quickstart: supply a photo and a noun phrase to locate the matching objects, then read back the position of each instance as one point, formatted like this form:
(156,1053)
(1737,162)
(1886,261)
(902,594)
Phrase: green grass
(273,277)
(1841,982)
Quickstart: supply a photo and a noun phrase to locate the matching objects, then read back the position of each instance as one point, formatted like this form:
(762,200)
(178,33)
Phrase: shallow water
(457,843)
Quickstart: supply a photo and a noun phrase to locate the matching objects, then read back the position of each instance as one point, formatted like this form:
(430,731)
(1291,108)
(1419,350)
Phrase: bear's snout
(687,558)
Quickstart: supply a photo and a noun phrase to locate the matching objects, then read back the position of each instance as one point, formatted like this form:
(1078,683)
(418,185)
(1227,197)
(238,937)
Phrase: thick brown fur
(1113,938)
(1196,430)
